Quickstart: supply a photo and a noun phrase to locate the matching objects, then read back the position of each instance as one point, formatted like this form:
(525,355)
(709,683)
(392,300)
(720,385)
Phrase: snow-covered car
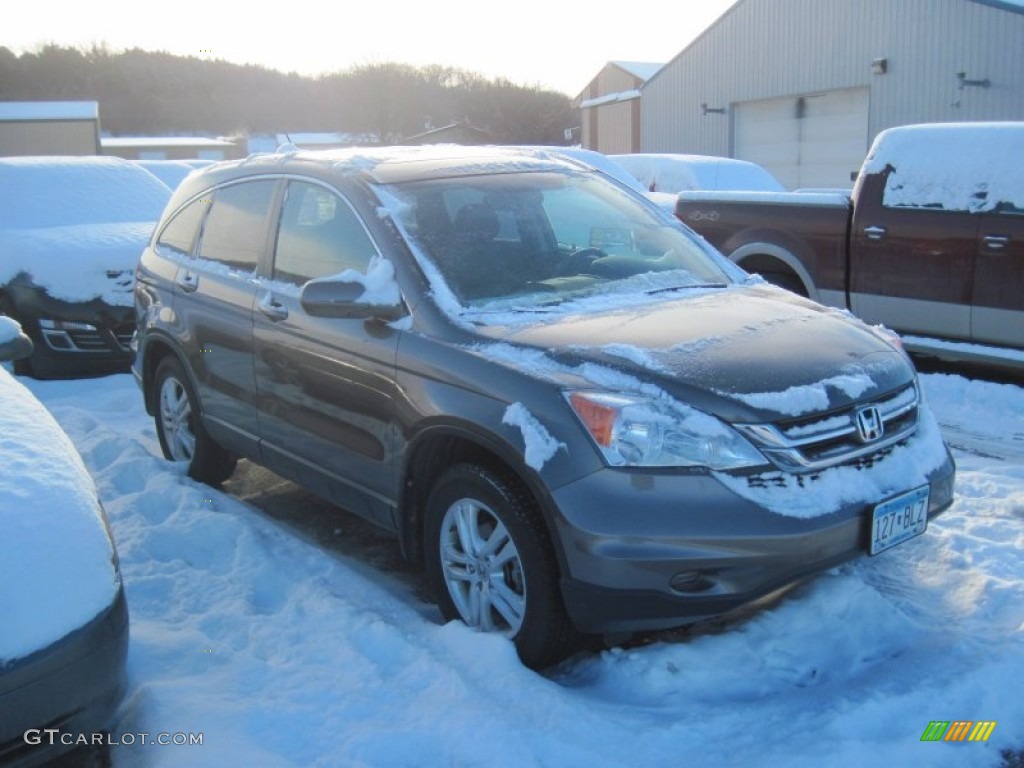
(573,411)
(170,172)
(71,231)
(63,616)
(601,162)
(666,175)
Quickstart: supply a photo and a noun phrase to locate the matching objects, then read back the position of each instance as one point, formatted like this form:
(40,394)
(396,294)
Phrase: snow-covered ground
(284,652)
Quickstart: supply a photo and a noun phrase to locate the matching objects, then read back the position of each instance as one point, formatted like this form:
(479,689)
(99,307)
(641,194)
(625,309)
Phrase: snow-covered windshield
(542,237)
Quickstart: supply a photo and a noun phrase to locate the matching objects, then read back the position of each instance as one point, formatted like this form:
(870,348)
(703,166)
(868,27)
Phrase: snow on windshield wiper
(687,287)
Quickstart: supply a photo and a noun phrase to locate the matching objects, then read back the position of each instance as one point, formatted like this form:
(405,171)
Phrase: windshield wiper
(693,286)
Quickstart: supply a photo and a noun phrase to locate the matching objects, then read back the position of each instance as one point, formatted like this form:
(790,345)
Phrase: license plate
(896,520)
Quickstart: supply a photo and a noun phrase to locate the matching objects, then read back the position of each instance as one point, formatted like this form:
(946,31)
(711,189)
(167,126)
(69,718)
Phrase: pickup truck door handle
(996,242)
(272,308)
(187,280)
(875,233)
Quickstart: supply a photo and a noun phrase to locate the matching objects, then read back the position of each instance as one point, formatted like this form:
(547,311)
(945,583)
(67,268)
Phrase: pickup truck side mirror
(345,299)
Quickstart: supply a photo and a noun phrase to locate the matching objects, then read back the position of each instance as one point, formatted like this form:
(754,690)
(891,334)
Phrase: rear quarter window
(180,234)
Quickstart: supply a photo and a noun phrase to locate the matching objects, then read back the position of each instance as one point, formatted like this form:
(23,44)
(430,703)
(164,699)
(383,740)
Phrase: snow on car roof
(56,559)
(65,191)
(952,166)
(675,173)
(392,165)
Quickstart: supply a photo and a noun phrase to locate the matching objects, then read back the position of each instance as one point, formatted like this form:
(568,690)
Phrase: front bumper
(100,348)
(646,551)
(74,685)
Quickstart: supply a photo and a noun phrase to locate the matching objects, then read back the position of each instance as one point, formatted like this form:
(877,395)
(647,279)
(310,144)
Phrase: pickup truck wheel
(490,562)
(180,430)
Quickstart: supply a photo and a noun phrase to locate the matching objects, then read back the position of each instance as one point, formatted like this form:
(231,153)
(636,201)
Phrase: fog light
(64,325)
(690,581)
(58,340)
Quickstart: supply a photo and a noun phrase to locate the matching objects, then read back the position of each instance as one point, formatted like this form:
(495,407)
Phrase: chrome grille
(90,338)
(820,441)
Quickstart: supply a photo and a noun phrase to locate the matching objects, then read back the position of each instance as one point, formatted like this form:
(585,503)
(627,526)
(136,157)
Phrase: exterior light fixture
(962,82)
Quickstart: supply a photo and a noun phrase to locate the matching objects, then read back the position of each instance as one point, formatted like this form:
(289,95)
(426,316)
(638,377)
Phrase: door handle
(875,232)
(272,308)
(996,242)
(187,280)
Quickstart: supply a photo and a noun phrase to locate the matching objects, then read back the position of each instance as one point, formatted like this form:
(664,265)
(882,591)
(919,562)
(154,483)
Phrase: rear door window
(235,231)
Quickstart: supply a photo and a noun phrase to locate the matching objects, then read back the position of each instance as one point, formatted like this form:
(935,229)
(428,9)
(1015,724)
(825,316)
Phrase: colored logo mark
(958,730)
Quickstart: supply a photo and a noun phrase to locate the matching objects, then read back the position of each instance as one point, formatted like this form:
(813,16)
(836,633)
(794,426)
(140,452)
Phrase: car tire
(491,565)
(180,428)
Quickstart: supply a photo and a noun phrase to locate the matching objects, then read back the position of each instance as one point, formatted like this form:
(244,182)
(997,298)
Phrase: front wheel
(491,564)
(180,430)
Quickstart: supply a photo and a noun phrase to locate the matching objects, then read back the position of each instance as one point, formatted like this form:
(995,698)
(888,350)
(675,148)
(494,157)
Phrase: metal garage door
(816,140)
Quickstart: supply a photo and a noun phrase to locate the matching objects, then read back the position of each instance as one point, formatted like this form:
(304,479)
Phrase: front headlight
(636,431)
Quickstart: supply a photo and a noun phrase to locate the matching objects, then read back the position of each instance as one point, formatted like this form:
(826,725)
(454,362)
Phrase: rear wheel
(491,563)
(180,429)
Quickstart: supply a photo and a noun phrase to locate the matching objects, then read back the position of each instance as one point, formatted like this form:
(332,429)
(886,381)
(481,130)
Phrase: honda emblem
(870,426)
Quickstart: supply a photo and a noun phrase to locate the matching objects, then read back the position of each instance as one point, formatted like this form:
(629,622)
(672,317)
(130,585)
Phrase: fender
(784,256)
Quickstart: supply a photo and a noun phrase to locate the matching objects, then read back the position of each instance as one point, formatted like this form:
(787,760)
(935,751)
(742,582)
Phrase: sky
(561,46)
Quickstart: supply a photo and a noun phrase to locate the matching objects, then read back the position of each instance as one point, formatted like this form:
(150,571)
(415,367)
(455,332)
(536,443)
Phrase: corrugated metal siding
(611,128)
(613,79)
(615,128)
(762,49)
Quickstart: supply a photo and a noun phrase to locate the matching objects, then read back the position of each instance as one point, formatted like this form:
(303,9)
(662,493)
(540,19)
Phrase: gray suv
(577,415)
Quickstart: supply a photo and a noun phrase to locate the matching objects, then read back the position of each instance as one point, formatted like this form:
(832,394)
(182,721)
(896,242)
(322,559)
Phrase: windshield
(543,237)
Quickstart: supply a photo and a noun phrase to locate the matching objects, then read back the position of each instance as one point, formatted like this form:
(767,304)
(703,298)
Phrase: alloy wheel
(482,568)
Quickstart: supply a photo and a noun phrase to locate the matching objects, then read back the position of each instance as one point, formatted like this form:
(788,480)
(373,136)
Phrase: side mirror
(345,299)
(15,347)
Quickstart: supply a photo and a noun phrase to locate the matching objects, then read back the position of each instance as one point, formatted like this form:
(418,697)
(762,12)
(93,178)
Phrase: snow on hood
(56,558)
(747,353)
(952,166)
(72,263)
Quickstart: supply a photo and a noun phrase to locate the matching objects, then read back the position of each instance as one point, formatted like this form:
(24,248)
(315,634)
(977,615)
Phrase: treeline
(146,93)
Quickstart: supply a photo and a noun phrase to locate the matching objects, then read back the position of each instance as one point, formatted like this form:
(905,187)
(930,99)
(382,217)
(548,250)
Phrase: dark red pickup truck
(929,243)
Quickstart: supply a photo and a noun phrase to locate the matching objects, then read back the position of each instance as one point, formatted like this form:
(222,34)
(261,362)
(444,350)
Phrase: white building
(803,86)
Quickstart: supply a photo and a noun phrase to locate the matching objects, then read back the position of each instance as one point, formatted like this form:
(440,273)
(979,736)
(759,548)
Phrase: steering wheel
(580,260)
